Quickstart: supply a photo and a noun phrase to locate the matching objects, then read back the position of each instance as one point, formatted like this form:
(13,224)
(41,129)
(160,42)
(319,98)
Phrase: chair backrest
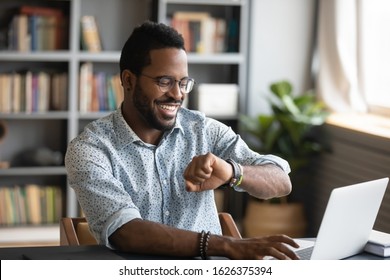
(229,227)
(75,231)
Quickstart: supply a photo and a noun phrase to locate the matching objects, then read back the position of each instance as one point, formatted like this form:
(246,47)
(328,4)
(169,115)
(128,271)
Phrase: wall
(281,39)
(354,157)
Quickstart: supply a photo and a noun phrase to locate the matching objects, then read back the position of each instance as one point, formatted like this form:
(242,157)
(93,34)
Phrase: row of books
(30,204)
(36,28)
(203,33)
(98,91)
(33,92)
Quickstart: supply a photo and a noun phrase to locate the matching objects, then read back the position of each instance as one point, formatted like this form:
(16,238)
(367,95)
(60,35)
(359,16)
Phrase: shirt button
(167,213)
(165,182)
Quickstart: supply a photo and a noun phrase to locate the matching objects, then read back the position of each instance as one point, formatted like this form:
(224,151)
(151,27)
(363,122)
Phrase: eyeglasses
(166,83)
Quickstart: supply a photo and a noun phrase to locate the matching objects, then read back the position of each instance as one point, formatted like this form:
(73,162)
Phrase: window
(354,55)
(375,49)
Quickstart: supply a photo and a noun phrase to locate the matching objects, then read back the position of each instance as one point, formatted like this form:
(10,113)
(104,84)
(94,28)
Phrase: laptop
(347,222)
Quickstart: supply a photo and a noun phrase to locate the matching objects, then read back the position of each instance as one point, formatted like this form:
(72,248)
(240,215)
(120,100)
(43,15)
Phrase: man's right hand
(257,248)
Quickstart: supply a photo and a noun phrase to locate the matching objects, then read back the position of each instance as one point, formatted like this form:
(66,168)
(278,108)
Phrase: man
(145,174)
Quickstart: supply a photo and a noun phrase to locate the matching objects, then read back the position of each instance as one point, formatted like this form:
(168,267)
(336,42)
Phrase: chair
(228,225)
(75,231)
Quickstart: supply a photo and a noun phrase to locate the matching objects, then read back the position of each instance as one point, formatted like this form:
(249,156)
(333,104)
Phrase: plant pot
(264,218)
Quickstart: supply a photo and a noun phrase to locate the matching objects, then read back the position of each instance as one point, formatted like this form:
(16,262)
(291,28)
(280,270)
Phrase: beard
(145,110)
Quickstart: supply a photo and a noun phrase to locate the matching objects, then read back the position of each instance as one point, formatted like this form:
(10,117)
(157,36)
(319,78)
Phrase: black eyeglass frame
(164,87)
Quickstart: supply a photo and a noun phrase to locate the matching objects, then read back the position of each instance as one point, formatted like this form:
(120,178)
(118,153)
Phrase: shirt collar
(125,134)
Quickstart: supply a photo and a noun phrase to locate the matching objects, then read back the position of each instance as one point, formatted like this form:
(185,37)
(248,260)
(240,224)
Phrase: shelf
(33,171)
(35,56)
(207,2)
(35,116)
(104,56)
(29,234)
(216,58)
(92,115)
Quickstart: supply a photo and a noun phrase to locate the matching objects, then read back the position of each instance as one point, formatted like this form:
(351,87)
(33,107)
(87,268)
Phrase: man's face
(157,109)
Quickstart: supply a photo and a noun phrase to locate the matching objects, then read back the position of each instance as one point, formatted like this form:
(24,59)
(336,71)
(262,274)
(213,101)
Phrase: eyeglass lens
(167,83)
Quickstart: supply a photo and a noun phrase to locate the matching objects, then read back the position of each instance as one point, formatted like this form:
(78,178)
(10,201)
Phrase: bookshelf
(53,128)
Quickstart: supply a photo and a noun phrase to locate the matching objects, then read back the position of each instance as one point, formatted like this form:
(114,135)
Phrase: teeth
(167,107)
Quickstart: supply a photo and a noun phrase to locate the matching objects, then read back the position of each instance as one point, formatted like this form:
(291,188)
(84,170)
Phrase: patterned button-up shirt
(117,177)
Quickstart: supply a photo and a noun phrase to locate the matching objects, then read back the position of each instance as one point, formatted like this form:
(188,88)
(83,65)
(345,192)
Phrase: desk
(98,252)
(90,252)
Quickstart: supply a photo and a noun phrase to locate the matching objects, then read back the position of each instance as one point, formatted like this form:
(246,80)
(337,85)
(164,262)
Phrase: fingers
(285,239)
(197,172)
(195,177)
(281,251)
(193,187)
(268,247)
(279,254)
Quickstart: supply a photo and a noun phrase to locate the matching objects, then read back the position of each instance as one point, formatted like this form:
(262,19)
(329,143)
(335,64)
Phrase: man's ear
(128,80)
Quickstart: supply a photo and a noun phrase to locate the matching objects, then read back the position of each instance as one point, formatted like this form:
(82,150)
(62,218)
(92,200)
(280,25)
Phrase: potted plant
(290,131)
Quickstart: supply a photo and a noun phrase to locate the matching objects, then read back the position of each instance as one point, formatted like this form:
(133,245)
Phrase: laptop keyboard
(305,254)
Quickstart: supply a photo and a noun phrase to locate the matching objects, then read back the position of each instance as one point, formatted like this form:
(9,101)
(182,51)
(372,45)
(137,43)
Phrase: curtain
(340,78)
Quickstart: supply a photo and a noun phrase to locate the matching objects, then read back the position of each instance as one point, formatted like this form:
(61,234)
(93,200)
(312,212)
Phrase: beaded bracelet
(203,244)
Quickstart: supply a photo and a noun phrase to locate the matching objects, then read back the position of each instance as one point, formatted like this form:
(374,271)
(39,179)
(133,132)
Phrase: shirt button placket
(165,187)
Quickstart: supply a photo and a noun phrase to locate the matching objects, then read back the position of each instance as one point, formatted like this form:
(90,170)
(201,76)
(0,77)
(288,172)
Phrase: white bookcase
(54,129)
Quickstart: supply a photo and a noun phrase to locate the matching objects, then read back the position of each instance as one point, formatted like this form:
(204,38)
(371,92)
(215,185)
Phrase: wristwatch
(236,180)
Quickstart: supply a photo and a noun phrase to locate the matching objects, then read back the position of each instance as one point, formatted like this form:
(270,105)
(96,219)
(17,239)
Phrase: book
(48,38)
(59,92)
(43,97)
(10,206)
(28,92)
(16,92)
(85,87)
(33,204)
(3,209)
(23,38)
(90,38)
(5,96)
(378,243)
(111,98)
(117,85)
(20,200)
(58,204)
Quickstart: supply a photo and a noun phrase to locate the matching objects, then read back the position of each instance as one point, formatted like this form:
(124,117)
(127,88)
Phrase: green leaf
(281,89)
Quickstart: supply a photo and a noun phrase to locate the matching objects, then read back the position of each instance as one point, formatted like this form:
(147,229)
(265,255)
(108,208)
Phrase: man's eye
(165,82)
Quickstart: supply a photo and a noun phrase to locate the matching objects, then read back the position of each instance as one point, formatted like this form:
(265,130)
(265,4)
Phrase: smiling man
(145,174)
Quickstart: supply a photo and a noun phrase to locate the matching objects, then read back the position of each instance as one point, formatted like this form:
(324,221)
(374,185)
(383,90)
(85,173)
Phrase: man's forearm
(266,181)
(145,237)
(149,238)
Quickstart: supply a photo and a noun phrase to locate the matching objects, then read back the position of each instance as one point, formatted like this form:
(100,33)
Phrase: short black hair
(144,38)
